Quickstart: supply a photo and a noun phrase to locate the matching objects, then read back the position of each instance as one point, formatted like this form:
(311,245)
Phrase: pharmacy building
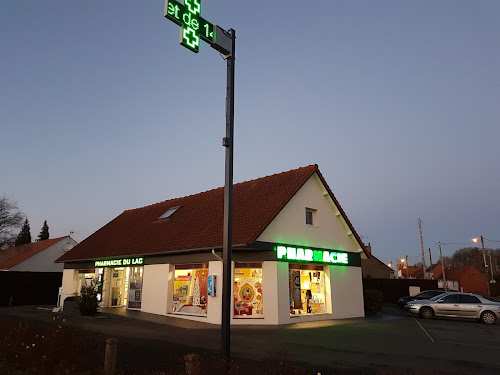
(296,256)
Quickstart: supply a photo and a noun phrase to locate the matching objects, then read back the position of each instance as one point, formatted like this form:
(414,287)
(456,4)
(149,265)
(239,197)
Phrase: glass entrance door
(116,297)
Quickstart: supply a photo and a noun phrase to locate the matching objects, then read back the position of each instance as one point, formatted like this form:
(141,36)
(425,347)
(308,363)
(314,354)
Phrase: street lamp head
(475,240)
(403,260)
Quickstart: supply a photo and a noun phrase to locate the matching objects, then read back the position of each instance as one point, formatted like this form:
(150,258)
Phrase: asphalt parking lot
(391,343)
(461,332)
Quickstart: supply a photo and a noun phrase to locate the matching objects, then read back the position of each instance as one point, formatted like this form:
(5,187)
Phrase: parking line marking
(423,329)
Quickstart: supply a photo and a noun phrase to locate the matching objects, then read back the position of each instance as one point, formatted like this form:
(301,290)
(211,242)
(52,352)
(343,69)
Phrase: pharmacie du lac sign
(300,254)
(122,262)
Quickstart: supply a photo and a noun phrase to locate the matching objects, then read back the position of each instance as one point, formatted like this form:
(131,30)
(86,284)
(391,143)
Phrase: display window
(307,290)
(135,288)
(190,289)
(85,277)
(248,302)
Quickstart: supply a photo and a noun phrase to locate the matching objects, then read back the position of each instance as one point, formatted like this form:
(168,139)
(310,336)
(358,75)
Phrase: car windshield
(435,298)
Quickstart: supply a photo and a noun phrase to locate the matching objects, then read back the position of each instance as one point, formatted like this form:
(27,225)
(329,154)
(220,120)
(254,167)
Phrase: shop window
(307,290)
(85,277)
(190,290)
(135,289)
(311,217)
(248,291)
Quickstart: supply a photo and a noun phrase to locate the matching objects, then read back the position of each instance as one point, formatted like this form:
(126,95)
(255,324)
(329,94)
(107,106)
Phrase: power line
(490,240)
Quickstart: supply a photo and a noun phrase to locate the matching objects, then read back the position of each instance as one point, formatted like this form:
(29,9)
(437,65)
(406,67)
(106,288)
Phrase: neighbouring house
(469,278)
(36,256)
(374,268)
(296,256)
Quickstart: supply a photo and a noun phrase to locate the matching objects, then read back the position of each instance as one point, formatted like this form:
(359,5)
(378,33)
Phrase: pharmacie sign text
(122,262)
(302,254)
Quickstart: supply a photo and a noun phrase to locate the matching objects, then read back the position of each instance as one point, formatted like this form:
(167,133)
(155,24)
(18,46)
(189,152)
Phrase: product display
(307,291)
(248,293)
(190,291)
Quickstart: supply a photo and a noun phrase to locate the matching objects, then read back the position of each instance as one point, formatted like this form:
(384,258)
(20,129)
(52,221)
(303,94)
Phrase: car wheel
(426,313)
(488,317)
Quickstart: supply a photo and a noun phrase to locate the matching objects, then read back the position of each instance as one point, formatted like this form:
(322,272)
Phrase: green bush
(88,298)
(373,299)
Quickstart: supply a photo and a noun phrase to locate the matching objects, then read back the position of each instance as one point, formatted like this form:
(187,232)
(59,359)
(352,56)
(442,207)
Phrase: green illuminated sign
(300,254)
(193,26)
(122,262)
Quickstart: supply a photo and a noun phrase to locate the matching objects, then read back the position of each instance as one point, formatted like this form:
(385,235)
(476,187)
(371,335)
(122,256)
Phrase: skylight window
(169,212)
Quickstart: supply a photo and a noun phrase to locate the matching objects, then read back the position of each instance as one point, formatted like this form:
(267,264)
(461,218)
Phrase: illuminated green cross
(193,27)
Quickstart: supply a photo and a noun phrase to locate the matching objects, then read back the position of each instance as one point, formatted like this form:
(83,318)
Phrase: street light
(475,240)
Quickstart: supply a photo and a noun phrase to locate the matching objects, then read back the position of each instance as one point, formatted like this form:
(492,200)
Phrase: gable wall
(289,226)
(44,260)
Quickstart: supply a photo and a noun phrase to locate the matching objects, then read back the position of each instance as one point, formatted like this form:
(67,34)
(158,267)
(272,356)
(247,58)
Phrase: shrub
(373,299)
(88,298)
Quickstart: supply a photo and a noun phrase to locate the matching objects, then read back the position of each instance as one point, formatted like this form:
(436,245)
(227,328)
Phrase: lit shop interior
(116,287)
(307,289)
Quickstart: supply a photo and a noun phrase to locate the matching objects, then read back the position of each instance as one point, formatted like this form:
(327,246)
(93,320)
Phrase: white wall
(44,260)
(69,283)
(347,292)
(331,231)
(155,288)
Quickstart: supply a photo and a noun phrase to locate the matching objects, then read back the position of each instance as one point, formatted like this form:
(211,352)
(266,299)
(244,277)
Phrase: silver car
(457,305)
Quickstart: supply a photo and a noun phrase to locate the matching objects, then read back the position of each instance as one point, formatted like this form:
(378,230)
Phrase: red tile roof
(469,278)
(198,223)
(14,255)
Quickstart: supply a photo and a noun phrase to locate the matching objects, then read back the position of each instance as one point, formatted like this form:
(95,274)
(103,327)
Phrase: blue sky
(397,102)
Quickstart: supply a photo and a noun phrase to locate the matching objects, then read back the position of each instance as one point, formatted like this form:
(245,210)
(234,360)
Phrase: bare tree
(10,221)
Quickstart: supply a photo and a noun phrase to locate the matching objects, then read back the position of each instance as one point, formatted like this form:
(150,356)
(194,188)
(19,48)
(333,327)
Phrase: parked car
(457,305)
(426,294)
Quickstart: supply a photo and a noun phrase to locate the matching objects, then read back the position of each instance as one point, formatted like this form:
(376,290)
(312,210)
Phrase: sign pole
(228,142)
(187,14)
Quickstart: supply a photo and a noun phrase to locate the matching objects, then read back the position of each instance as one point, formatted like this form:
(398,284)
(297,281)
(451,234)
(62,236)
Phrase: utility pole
(430,256)
(485,265)
(442,266)
(422,245)
(407,266)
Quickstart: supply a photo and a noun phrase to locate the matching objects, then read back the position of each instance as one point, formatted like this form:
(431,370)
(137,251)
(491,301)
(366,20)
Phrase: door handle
(456,305)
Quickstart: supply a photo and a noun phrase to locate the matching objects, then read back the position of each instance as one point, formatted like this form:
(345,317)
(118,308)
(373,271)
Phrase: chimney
(368,249)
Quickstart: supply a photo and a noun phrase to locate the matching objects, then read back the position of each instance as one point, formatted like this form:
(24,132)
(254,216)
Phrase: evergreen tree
(24,235)
(44,233)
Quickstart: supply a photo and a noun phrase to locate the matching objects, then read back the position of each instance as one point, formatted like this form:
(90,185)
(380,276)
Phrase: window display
(307,290)
(85,277)
(248,292)
(135,290)
(190,290)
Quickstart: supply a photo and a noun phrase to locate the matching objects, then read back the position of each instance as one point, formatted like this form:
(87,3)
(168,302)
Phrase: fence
(29,288)
(395,288)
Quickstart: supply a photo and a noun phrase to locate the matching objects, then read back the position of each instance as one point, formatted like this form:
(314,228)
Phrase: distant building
(373,267)
(36,256)
(469,279)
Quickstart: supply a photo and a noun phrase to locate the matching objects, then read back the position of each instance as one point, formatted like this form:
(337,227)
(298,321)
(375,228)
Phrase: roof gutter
(168,252)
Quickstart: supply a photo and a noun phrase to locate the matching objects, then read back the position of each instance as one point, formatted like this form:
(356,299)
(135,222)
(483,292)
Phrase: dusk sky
(398,102)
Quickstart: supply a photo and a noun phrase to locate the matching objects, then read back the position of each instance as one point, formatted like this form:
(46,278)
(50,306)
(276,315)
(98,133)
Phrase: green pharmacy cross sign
(193,26)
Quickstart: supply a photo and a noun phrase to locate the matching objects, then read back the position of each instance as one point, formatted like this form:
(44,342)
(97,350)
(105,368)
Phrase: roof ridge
(222,187)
